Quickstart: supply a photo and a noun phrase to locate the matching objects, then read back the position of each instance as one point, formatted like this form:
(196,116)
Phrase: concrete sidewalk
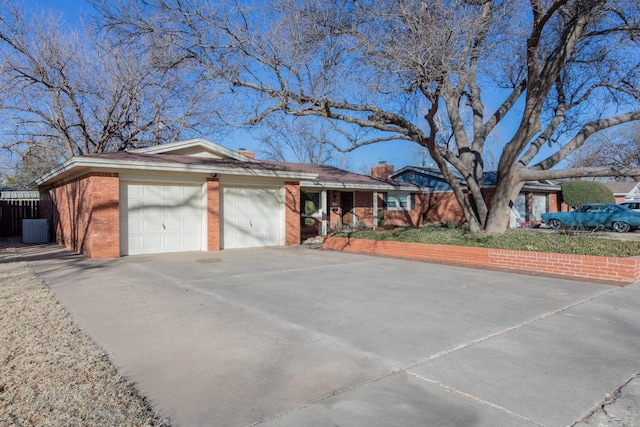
(302,337)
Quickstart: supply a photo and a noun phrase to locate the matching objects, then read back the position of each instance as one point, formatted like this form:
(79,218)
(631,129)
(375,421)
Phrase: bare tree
(446,74)
(300,140)
(20,168)
(617,148)
(67,93)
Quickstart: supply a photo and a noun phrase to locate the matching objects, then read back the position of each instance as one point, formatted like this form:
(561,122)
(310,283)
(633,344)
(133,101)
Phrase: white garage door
(158,218)
(252,217)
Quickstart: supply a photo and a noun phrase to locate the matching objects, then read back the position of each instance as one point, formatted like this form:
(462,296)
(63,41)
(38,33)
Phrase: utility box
(35,231)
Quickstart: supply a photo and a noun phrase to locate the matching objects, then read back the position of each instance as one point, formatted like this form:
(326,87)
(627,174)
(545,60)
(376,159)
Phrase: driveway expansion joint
(475,399)
(328,396)
(509,329)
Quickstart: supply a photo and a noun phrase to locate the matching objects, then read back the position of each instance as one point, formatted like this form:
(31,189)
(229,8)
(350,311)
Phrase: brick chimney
(243,151)
(382,170)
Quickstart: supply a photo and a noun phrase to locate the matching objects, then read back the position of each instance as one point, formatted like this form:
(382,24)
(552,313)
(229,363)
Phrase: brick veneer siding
(363,208)
(610,269)
(46,210)
(429,208)
(292,213)
(213,214)
(86,215)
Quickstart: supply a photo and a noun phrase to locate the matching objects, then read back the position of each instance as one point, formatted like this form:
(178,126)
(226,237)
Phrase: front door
(346,203)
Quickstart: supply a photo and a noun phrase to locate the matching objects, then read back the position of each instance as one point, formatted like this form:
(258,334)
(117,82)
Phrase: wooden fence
(16,206)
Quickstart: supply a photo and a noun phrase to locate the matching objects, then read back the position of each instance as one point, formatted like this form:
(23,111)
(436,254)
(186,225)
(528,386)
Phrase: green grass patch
(518,239)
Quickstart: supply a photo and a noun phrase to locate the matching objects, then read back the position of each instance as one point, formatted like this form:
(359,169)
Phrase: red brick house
(438,203)
(196,195)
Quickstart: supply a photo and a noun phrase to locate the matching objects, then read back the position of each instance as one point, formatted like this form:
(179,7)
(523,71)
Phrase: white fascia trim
(373,187)
(163,148)
(58,170)
(115,165)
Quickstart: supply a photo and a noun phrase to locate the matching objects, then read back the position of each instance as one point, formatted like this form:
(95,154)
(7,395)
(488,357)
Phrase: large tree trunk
(500,210)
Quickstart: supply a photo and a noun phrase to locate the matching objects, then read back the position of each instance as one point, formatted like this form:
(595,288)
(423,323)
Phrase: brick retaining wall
(613,269)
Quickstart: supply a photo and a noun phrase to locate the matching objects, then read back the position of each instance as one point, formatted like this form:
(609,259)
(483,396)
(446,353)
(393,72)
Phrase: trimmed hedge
(576,193)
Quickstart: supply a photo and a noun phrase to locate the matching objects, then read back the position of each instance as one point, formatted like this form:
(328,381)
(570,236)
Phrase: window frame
(304,198)
(393,201)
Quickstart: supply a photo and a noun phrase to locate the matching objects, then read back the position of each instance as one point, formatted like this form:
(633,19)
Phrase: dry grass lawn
(51,373)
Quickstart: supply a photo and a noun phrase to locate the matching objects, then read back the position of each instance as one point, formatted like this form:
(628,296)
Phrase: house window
(398,201)
(310,204)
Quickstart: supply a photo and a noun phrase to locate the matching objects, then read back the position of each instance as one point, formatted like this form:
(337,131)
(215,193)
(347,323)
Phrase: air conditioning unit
(35,231)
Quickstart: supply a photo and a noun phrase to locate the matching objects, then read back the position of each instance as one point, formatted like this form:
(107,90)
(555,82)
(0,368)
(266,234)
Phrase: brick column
(292,213)
(213,214)
(103,240)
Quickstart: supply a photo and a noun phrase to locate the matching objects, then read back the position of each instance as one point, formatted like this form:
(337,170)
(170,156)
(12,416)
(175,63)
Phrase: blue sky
(398,153)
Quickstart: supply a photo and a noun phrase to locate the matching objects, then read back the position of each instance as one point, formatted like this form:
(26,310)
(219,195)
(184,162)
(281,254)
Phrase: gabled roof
(197,147)
(169,163)
(621,188)
(489,178)
(205,157)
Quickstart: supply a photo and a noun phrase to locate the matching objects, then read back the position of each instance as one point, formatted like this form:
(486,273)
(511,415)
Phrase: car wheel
(621,226)
(555,224)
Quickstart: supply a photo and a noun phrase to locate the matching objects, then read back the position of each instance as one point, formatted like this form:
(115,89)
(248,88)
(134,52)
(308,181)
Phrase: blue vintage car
(616,217)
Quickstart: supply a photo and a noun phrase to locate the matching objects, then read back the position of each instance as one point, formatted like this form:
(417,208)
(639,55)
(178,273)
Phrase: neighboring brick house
(197,195)
(438,203)
(624,190)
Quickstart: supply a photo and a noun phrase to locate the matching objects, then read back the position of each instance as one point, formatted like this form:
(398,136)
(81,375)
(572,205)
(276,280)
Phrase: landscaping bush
(517,239)
(576,193)
(309,210)
(309,207)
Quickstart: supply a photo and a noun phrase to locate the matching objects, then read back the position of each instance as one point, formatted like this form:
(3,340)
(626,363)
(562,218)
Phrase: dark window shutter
(384,200)
(413,201)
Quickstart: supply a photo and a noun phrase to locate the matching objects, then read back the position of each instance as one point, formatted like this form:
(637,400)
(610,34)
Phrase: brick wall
(213,214)
(430,208)
(610,269)
(46,208)
(86,215)
(292,213)
(363,208)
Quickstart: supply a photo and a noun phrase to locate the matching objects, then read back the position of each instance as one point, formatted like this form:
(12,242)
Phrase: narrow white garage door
(252,217)
(156,218)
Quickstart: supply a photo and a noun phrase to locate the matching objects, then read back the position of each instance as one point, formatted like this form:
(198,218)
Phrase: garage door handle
(164,227)
(250,223)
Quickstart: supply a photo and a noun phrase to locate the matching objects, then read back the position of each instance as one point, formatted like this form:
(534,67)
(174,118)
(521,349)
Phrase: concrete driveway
(304,337)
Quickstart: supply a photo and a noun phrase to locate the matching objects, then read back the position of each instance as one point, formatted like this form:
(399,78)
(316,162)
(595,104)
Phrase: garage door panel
(152,242)
(150,225)
(174,240)
(158,218)
(133,225)
(152,192)
(190,224)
